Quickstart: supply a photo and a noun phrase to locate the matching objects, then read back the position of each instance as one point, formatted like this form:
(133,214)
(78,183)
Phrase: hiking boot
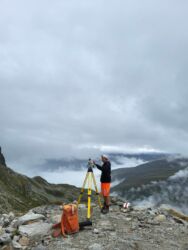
(104,206)
(102,209)
(105,211)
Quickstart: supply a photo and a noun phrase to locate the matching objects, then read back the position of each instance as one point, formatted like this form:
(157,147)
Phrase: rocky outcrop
(2,159)
(132,228)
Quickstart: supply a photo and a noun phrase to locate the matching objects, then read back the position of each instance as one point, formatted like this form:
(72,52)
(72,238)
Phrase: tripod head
(90,165)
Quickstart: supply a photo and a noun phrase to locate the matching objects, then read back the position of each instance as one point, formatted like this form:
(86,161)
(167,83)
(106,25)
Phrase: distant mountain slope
(78,164)
(136,177)
(20,193)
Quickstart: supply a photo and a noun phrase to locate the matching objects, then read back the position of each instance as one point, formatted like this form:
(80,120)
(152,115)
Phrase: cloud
(74,171)
(76,77)
(173,192)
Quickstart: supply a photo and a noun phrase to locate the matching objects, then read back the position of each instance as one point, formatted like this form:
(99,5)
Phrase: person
(105,182)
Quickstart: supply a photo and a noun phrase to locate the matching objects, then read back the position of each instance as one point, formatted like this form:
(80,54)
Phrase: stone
(124,210)
(128,218)
(1,230)
(7,247)
(95,246)
(40,248)
(177,220)
(16,237)
(16,245)
(114,208)
(6,222)
(10,230)
(55,219)
(82,206)
(160,218)
(5,215)
(105,225)
(11,216)
(24,241)
(96,231)
(5,238)
(46,242)
(29,217)
(35,230)
(120,203)
(14,223)
(114,199)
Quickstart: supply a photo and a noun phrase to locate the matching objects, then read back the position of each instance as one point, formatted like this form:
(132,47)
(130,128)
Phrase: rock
(95,246)
(114,208)
(5,215)
(7,247)
(10,230)
(6,222)
(96,231)
(39,248)
(14,223)
(160,218)
(16,237)
(128,219)
(35,230)
(124,210)
(82,206)
(11,216)
(151,211)
(2,158)
(105,225)
(185,246)
(120,203)
(177,220)
(28,218)
(114,199)
(44,210)
(177,214)
(1,230)
(24,241)
(46,242)
(5,238)
(16,245)
(55,219)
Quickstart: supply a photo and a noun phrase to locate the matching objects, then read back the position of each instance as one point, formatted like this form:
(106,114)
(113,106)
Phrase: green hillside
(20,193)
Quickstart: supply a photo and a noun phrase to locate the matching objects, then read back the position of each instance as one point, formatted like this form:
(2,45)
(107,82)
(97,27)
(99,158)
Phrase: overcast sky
(80,76)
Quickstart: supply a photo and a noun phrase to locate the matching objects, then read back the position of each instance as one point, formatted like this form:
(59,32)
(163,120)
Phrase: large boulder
(35,230)
(28,218)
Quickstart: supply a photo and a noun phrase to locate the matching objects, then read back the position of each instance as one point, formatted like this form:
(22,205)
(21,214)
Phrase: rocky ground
(133,228)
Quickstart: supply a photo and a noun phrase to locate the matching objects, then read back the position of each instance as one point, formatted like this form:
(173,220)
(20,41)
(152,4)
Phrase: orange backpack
(69,221)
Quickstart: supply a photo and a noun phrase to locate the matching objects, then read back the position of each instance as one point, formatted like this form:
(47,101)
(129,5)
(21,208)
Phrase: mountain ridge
(145,173)
(21,193)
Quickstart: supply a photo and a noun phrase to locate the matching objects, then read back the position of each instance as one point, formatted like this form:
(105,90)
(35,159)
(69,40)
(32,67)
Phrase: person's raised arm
(98,166)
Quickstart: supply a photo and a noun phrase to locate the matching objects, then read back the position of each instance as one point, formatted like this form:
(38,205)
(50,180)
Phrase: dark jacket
(106,171)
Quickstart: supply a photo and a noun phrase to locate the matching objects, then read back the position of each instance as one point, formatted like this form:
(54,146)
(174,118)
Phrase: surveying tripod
(89,179)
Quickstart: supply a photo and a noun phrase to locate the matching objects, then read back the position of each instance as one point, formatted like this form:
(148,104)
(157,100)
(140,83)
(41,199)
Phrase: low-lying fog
(76,177)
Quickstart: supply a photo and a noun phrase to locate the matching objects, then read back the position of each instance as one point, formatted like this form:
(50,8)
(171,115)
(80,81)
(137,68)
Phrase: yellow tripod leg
(96,190)
(89,196)
(83,187)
